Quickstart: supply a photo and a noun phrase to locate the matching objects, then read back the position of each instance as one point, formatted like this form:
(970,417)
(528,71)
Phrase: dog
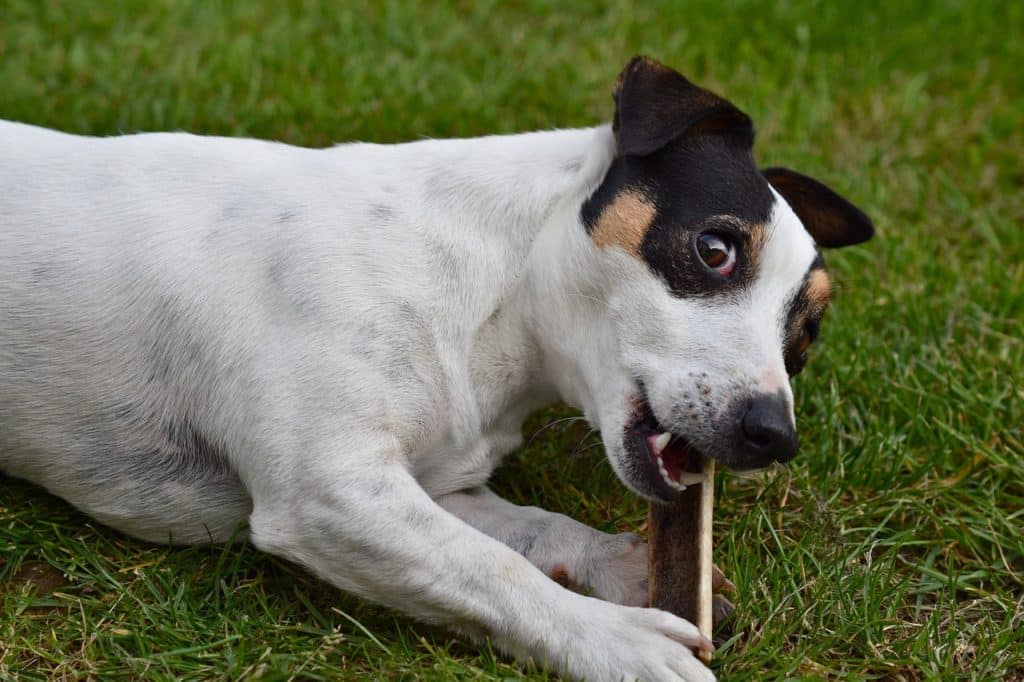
(333,348)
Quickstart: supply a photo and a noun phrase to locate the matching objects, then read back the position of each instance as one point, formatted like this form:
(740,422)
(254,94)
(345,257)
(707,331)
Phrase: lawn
(892,548)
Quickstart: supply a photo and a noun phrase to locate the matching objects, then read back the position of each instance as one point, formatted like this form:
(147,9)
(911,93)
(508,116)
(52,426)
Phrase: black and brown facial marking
(706,185)
(683,168)
(804,313)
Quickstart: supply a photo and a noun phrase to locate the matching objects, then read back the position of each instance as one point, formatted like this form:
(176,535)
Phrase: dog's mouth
(664,457)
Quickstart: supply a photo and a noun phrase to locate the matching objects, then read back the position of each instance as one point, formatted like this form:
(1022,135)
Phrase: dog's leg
(374,531)
(611,567)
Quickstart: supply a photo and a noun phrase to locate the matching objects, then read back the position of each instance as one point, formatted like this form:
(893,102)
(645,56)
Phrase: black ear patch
(655,105)
(832,220)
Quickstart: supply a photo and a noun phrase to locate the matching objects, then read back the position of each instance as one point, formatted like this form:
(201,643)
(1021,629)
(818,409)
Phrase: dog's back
(162,296)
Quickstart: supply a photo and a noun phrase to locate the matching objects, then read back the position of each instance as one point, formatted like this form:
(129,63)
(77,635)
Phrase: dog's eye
(807,336)
(805,342)
(717,253)
(796,360)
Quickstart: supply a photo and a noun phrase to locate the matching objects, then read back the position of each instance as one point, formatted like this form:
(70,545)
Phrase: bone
(680,570)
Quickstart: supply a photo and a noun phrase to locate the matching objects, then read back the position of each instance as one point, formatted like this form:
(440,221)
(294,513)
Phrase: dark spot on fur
(572,166)
(214,235)
(292,295)
(372,550)
(417,519)
(125,414)
(445,262)
(46,273)
(383,213)
(275,273)
(232,211)
(172,345)
(522,539)
(560,575)
(381,487)
(192,456)
(285,216)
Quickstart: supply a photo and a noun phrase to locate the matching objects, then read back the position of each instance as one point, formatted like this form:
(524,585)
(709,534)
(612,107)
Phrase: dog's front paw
(629,643)
(617,569)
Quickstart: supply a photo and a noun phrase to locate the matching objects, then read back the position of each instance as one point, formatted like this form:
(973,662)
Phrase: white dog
(335,347)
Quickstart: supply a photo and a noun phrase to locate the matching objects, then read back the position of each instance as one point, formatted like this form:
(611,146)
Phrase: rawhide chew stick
(679,551)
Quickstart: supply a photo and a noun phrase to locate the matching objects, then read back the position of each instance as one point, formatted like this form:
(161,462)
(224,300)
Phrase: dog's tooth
(661,442)
(675,485)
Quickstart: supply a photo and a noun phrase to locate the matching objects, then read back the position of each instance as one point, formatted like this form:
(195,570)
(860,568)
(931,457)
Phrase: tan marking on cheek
(759,235)
(819,288)
(625,222)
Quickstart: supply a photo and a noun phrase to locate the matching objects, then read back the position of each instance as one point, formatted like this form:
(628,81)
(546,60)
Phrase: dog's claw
(722,618)
(722,610)
(719,583)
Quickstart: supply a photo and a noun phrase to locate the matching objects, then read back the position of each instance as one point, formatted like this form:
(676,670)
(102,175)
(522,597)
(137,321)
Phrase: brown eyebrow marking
(757,236)
(625,222)
(819,288)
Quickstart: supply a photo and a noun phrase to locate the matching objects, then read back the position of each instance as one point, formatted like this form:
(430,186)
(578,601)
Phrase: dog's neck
(522,357)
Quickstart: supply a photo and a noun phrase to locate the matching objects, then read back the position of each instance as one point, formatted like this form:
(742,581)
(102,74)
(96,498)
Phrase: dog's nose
(768,433)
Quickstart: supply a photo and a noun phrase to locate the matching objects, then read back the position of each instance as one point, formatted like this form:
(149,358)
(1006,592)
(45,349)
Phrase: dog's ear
(655,105)
(832,220)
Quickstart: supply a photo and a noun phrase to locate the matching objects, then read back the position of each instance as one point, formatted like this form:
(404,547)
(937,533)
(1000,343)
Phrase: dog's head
(712,280)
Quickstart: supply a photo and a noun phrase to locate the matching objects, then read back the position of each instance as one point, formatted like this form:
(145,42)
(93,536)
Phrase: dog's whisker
(552,424)
(580,449)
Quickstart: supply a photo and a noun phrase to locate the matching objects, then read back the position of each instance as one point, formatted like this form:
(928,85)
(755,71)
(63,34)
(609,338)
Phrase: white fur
(360,331)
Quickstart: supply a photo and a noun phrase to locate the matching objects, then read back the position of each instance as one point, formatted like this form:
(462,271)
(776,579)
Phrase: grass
(893,548)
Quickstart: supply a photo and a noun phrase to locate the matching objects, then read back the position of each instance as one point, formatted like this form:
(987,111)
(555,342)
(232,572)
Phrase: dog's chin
(657,463)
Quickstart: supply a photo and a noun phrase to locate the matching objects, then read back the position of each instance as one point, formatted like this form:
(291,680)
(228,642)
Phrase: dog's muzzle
(755,432)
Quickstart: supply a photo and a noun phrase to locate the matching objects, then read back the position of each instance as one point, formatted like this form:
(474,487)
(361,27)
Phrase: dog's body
(335,347)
